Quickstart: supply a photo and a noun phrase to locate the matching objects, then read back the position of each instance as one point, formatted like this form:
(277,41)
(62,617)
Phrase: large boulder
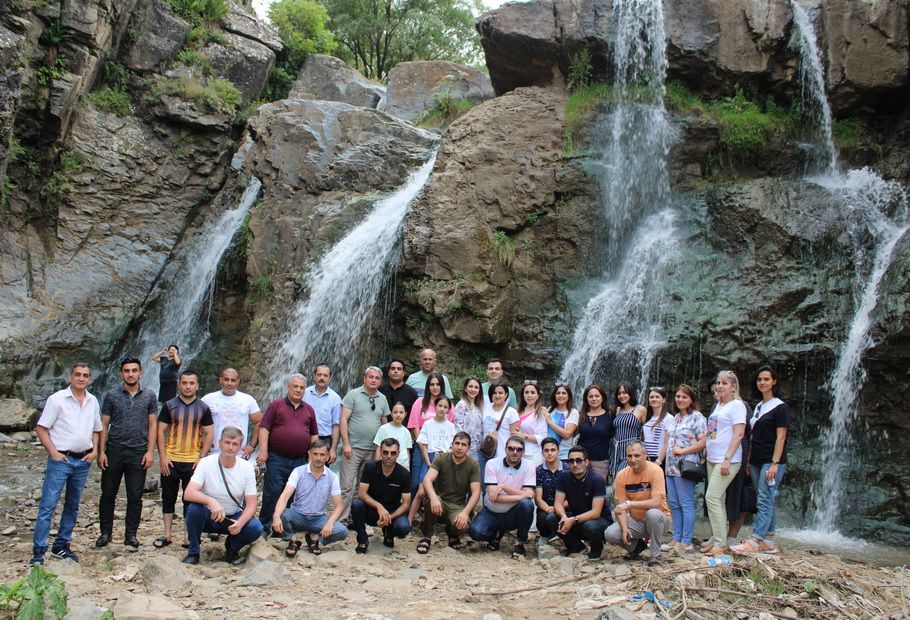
(15,414)
(160,35)
(414,87)
(332,79)
(247,25)
(244,62)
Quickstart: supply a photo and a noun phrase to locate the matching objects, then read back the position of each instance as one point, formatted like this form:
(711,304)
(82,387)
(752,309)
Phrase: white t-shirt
(533,425)
(233,410)
(405,441)
(490,419)
(241,479)
(654,434)
(70,424)
(497,472)
(437,436)
(720,431)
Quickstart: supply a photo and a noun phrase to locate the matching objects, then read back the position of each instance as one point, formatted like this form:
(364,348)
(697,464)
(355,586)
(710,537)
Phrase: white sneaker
(369,530)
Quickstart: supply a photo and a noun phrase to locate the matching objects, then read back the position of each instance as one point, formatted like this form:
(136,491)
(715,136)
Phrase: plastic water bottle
(724,560)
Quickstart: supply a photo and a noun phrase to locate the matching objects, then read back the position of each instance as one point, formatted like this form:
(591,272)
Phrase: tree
(302,26)
(375,35)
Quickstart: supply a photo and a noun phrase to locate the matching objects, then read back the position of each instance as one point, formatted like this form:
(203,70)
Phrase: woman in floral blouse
(469,414)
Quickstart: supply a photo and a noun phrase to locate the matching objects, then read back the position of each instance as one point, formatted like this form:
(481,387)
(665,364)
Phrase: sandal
(362,547)
(293,548)
(518,551)
(456,543)
(161,542)
(312,545)
(423,547)
(494,545)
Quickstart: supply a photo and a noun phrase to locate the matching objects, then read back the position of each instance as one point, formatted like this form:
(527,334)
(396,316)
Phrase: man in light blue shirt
(327,404)
(418,380)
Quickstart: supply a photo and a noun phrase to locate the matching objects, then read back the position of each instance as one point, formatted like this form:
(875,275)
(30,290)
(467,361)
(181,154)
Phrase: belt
(74,454)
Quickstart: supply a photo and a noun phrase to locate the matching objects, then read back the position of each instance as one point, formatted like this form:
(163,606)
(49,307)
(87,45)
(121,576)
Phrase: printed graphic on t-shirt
(712,427)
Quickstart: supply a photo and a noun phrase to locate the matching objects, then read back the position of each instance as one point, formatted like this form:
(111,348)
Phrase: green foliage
(504,247)
(45,74)
(112,101)
(200,36)
(376,35)
(192,58)
(280,83)
(532,217)
(72,162)
(847,133)
(302,26)
(767,585)
(116,75)
(581,103)
(215,94)
(199,12)
(446,110)
(260,290)
(581,73)
(745,126)
(55,35)
(679,98)
(30,597)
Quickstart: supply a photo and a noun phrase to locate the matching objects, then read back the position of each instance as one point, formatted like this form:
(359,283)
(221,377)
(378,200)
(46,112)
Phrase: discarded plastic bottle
(718,561)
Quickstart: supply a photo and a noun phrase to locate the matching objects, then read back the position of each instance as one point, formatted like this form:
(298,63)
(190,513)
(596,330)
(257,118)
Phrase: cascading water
(184,306)
(633,138)
(872,208)
(343,290)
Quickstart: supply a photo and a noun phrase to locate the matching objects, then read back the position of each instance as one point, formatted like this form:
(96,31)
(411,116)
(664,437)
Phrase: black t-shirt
(581,493)
(764,434)
(168,371)
(404,394)
(386,490)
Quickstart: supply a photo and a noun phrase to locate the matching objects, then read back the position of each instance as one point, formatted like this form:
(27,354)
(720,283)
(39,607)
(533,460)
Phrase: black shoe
(640,546)
(103,540)
(596,551)
(234,558)
(191,559)
(37,556)
(388,540)
(131,541)
(571,550)
(64,553)
(362,547)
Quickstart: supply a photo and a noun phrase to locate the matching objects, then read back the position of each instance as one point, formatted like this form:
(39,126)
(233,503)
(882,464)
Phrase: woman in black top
(595,429)
(770,423)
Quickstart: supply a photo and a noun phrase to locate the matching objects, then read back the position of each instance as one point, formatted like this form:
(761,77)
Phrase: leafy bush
(302,26)
(200,36)
(45,75)
(112,101)
(215,94)
(279,85)
(581,73)
(32,596)
(446,110)
(198,12)
(116,75)
(192,58)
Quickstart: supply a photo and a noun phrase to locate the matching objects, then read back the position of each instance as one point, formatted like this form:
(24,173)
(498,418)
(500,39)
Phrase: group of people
(491,463)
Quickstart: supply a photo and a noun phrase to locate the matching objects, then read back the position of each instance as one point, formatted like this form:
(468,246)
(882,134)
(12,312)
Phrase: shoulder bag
(227,488)
(488,444)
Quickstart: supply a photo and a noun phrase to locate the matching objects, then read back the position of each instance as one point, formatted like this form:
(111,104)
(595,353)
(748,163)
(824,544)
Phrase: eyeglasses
(530,381)
(655,388)
(372,403)
(574,461)
(515,448)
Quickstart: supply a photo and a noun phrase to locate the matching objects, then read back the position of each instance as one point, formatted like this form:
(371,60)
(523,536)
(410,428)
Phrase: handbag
(696,472)
(750,496)
(488,443)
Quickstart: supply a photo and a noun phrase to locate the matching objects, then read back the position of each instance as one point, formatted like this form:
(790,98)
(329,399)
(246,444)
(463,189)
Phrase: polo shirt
(643,486)
(404,394)
(312,493)
(234,410)
(327,407)
(546,481)
(387,490)
(498,471)
(418,381)
(69,424)
(580,494)
(366,416)
(289,427)
(453,480)
(185,423)
(129,416)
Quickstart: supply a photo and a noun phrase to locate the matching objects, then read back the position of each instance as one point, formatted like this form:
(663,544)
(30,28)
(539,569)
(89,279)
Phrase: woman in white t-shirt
(562,418)
(724,454)
(498,408)
(656,426)
(532,421)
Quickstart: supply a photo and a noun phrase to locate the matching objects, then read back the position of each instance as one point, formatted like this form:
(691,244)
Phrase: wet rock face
(10,48)
(331,79)
(161,34)
(414,87)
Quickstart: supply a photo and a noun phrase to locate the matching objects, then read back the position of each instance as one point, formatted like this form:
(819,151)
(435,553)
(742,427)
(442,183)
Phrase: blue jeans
(198,519)
(765,518)
(361,515)
(293,521)
(70,474)
(277,471)
(681,497)
(419,469)
(489,525)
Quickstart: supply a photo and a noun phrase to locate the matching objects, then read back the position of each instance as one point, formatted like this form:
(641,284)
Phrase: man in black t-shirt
(397,391)
(383,498)
(579,513)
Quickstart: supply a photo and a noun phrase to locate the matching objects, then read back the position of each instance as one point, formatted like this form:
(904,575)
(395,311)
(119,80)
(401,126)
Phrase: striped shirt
(185,424)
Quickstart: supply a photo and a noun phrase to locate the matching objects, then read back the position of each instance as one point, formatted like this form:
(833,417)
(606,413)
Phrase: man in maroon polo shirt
(285,433)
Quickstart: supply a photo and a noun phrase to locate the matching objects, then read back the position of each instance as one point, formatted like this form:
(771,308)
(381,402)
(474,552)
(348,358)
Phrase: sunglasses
(574,461)
(530,382)
(372,403)
(387,453)
(515,448)
(560,384)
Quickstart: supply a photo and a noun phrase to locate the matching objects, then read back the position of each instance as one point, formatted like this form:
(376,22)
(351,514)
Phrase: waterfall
(185,300)
(872,209)
(334,319)
(813,93)
(633,137)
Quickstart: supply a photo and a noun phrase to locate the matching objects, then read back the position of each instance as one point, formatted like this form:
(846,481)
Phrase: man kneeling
(383,499)
(640,496)
(311,485)
(221,499)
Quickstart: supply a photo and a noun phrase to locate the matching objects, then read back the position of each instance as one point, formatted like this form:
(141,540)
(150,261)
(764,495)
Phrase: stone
(266,573)
(83,609)
(246,63)
(160,36)
(261,551)
(616,612)
(12,71)
(492,616)
(15,415)
(22,436)
(331,79)
(414,87)
(131,606)
(546,552)
(166,573)
(566,566)
(65,567)
(9,531)
(621,570)
(249,26)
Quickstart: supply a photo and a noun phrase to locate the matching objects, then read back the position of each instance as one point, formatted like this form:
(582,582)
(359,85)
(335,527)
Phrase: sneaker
(234,558)
(64,553)
(750,545)
(668,546)
(768,546)
(37,556)
(191,559)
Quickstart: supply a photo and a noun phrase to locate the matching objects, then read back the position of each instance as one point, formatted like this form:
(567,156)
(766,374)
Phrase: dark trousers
(170,486)
(122,464)
(199,520)
(489,526)
(545,527)
(277,471)
(362,515)
(590,531)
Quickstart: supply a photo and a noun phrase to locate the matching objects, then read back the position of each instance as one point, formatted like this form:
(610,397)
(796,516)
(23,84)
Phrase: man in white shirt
(231,407)
(69,429)
(221,499)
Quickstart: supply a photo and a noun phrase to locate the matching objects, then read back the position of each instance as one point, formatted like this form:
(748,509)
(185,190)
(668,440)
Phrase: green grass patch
(199,12)
(847,133)
(215,94)
(746,126)
(200,36)
(680,99)
(581,103)
(445,111)
(192,58)
(112,101)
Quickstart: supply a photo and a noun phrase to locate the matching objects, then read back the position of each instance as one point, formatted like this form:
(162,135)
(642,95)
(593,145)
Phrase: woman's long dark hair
(627,387)
(570,404)
(478,400)
(583,412)
(426,391)
(774,390)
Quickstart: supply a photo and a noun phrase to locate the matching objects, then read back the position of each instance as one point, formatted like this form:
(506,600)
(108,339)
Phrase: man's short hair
(462,435)
(547,441)
(515,439)
(296,375)
(389,442)
(189,371)
(130,360)
(319,443)
(494,360)
(326,366)
(581,449)
(174,346)
(81,365)
(373,369)
(636,442)
(399,360)
(229,432)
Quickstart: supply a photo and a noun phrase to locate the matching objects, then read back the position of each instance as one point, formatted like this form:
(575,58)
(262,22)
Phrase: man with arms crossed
(396,390)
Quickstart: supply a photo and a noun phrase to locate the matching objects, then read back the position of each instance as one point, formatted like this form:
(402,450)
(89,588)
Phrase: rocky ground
(399,583)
